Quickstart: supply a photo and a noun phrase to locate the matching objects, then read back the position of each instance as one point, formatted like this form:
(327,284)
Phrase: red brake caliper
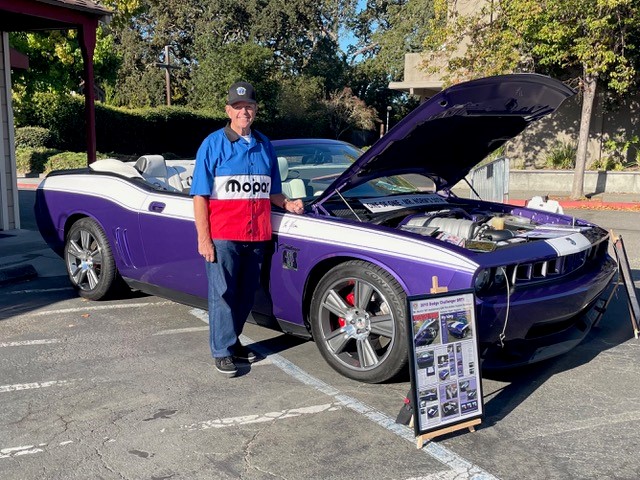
(351,300)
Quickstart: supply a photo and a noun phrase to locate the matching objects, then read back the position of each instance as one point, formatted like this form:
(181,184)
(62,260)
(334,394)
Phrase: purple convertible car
(378,226)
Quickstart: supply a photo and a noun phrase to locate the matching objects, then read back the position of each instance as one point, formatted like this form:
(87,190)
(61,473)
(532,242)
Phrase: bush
(33,160)
(65,161)
(33,137)
(562,156)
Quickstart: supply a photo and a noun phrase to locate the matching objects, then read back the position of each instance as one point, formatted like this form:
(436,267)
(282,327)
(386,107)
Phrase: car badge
(241,91)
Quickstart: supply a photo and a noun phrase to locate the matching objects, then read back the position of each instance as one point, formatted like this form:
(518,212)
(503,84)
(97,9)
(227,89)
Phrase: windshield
(317,165)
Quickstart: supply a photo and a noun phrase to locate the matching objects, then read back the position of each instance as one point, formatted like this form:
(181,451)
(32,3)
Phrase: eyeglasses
(250,107)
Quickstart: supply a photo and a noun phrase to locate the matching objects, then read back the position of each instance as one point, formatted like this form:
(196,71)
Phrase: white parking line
(38,290)
(99,307)
(26,343)
(27,449)
(30,386)
(265,417)
(182,330)
(462,468)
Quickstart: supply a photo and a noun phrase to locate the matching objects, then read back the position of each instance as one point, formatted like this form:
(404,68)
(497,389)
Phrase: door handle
(156,207)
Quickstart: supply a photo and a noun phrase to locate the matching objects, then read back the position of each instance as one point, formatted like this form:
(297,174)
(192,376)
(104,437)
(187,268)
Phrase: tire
(89,260)
(358,322)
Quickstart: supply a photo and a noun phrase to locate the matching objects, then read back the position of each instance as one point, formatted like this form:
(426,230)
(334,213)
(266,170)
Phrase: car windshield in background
(319,164)
(392,185)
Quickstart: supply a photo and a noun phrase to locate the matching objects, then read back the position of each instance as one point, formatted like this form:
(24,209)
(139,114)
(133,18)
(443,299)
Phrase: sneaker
(240,352)
(225,365)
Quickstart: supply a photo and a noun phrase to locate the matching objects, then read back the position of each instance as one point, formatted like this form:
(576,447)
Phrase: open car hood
(450,133)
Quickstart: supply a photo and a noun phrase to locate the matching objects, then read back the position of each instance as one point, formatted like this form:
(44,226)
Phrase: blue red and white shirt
(238,177)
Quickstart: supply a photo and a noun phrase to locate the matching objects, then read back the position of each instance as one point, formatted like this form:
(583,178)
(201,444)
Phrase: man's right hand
(207,250)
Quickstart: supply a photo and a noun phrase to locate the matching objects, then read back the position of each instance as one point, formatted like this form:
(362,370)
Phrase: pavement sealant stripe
(462,468)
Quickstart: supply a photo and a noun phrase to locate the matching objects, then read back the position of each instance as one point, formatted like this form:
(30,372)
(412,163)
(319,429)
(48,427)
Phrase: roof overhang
(423,89)
(31,15)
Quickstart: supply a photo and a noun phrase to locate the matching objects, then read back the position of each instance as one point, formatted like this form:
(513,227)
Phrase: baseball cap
(241,92)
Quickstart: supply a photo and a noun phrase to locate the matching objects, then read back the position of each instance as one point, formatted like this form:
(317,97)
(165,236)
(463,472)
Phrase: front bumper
(544,322)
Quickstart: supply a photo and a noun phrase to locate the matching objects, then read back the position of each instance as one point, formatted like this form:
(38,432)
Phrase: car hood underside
(446,136)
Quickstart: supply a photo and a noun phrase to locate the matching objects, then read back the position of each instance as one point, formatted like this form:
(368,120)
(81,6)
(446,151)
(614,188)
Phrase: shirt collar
(232,136)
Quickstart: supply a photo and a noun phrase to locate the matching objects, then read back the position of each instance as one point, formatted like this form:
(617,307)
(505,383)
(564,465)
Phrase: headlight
(482,279)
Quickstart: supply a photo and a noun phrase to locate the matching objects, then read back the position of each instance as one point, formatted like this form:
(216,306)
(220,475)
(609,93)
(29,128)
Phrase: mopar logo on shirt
(242,186)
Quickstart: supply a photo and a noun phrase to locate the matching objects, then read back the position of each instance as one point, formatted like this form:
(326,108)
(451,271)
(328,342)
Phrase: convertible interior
(304,180)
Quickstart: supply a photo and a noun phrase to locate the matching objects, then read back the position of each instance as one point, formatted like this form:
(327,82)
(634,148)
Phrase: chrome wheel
(89,260)
(357,320)
(84,260)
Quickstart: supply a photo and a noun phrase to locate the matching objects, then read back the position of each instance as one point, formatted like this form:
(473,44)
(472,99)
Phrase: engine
(482,231)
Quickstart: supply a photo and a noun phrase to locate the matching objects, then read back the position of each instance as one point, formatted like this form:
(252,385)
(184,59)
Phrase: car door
(170,244)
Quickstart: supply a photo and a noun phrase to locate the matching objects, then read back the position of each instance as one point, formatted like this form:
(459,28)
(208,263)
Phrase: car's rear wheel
(89,260)
(358,321)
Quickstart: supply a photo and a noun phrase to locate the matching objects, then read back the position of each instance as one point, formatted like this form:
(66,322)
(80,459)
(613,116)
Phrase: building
(35,15)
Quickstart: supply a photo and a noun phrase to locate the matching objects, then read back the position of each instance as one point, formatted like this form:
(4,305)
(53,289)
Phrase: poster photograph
(445,371)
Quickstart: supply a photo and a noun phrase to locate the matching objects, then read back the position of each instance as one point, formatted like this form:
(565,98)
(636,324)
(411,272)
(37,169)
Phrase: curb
(586,204)
(17,274)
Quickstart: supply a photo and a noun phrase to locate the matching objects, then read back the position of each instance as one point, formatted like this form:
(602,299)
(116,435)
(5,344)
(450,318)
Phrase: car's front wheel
(89,260)
(358,321)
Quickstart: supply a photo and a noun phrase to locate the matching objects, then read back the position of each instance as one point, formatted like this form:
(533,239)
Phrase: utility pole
(167,72)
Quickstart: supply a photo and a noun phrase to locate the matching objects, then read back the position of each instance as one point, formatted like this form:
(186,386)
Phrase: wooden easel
(421,439)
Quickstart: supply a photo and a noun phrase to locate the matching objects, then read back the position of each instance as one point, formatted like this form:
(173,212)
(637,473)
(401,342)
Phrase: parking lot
(127,389)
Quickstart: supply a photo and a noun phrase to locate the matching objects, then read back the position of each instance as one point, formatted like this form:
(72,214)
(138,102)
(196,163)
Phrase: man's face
(241,115)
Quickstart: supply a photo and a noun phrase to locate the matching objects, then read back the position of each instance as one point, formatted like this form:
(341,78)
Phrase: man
(235,179)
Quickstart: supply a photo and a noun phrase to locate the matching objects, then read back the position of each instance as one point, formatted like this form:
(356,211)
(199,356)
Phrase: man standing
(236,178)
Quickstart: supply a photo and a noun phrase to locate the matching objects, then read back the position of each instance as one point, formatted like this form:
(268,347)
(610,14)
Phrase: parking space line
(460,466)
(265,417)
(99,307)
(30,386)
(27,449)
(26,343)
(38,290)
(182,330)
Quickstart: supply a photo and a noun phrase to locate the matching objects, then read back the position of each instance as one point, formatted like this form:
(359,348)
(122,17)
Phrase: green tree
(587,43)
(346,111)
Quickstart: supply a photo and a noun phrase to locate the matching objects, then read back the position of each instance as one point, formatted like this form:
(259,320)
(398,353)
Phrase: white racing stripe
(462,468)
(16,387)
(26,343)
(265,417)
(570,244)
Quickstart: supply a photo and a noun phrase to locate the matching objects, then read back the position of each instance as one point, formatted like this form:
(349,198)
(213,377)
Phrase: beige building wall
(9,211)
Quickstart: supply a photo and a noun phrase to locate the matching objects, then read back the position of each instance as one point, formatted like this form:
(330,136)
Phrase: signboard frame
(627,279)
(444,362)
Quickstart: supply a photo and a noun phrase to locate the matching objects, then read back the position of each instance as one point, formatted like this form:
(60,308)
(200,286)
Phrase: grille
(523,273)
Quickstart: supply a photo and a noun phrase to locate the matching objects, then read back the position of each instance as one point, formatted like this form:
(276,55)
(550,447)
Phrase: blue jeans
(233,280)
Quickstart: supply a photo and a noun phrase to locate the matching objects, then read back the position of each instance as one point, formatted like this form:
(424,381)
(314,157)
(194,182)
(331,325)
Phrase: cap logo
(241,91)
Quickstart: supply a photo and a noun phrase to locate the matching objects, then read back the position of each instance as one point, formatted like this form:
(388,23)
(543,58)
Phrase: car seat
(293,188)
(154,170)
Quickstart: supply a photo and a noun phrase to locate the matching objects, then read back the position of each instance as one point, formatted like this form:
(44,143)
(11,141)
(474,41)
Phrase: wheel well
(70,221)
(319,271)
(314,278)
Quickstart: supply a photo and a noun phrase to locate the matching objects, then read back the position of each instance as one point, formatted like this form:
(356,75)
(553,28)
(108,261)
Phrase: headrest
(115,166)
(283,163)
(152,165)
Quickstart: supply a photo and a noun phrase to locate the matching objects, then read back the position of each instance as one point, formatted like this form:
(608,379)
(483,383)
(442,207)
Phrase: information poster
(445,371)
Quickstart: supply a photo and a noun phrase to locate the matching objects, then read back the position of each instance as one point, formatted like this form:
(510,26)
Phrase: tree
(584,42)
(348,111)
(386,30)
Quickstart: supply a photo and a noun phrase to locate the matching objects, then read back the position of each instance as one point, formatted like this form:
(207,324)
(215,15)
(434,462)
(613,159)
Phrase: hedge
(145,131)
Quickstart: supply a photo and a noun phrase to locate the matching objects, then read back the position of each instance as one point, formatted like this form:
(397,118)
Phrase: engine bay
(471,225)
